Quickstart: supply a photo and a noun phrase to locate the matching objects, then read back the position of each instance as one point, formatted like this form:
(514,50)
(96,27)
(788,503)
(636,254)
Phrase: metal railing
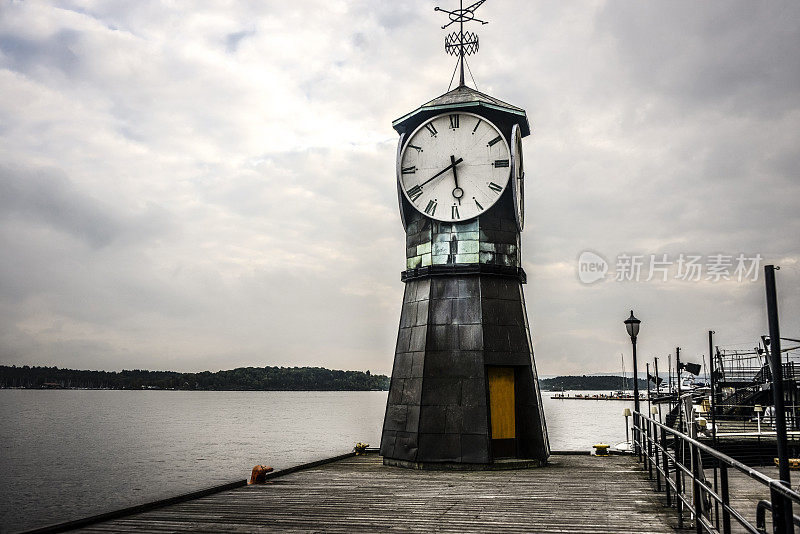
(675,460)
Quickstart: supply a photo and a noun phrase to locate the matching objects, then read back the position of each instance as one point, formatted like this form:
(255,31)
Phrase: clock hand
(457,192)
(455,174)
(451,166)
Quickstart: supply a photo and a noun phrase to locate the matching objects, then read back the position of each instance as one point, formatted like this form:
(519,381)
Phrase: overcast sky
(207,185)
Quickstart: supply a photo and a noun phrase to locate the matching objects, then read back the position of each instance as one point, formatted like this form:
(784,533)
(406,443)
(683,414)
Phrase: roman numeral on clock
(415,147)
(430,209)
(412,169)
(431,128)
(500,163)
(453,121)
(494,187)
(476,126)
(414,193)
(495,141)
(454,212)
(477,203)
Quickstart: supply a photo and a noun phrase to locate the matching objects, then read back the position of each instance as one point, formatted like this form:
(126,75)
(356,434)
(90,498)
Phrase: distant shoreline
(239,379)
(252,379)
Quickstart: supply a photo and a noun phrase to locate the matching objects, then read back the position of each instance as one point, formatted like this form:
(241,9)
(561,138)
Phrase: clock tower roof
(465,98)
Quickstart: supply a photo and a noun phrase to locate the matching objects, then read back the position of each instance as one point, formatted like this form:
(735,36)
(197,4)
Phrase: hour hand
(457,192)
(451,166)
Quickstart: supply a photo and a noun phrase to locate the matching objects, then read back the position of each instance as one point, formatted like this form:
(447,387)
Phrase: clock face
(517,176)
(454,166)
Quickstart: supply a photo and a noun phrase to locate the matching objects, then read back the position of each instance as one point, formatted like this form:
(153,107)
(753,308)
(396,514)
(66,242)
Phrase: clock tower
(464,388)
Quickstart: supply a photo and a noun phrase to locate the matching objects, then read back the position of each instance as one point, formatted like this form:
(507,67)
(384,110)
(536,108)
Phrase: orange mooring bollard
(259,475)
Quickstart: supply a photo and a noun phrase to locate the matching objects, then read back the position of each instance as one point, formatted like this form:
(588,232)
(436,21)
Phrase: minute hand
(451,166)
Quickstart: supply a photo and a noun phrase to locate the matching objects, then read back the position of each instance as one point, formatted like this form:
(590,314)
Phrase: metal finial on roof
(461,43)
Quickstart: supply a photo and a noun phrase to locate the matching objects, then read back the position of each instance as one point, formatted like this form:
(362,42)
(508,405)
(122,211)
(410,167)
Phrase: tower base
(464,389)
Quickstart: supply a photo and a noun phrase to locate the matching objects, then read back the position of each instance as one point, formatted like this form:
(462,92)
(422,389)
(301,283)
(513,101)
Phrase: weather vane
(461,43)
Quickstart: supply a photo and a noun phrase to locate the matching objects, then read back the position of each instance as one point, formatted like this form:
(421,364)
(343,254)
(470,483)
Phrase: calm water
(68,454)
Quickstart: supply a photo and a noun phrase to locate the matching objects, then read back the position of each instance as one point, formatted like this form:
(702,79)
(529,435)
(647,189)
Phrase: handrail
(761,520)
(761,477)
(664,453)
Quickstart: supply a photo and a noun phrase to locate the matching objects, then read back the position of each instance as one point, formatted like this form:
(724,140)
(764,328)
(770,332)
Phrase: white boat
(625,446)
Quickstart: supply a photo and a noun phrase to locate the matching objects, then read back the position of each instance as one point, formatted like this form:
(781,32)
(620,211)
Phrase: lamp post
(758,409)
(632,326)
(781,514)
(626,413)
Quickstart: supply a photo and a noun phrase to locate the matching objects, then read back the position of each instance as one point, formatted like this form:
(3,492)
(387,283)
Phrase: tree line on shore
(253,379)
(240,379)
(595,382)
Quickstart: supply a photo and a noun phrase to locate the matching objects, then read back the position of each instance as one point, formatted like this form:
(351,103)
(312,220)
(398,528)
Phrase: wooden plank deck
(573,494)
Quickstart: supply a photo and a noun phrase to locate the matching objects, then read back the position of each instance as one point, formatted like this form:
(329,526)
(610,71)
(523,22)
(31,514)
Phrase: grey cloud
(55,52)
(48,197)
(738,54)
(233,40)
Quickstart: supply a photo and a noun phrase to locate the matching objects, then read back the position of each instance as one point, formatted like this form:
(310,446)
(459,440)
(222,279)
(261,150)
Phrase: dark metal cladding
(437,397)
(463,311)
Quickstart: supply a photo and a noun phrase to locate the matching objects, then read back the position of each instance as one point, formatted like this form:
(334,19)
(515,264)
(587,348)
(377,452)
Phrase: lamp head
(632,325)
(626,412)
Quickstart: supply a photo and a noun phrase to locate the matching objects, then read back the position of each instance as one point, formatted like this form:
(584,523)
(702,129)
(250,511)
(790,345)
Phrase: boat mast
(622,359)
(669,372)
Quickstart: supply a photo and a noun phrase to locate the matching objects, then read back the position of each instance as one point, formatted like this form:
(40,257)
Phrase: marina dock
(574,493)
(595,397)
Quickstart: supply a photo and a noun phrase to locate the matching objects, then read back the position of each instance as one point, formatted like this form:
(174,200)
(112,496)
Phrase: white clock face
(454,166)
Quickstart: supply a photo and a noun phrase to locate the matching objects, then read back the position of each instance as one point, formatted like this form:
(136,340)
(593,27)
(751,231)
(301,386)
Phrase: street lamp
(758,409)
(626,413)
(632,325)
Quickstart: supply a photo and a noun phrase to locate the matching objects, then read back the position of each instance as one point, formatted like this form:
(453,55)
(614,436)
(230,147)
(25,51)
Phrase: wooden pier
(575,493)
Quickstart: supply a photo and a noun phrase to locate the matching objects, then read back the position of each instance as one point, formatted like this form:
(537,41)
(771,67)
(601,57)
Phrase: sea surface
(66,454)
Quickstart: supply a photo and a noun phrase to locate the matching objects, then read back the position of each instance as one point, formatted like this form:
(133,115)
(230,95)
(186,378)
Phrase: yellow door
(502,410)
